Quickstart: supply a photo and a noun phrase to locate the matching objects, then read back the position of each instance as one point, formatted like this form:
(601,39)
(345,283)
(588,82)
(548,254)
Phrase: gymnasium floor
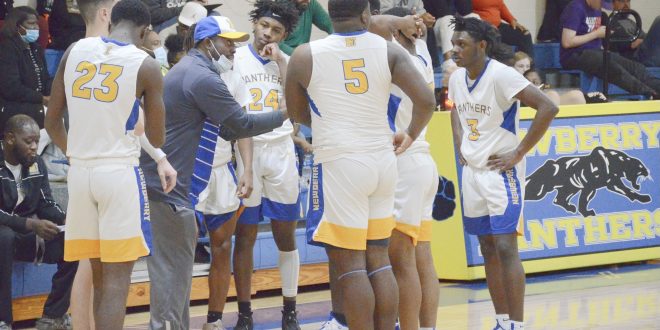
(625,297)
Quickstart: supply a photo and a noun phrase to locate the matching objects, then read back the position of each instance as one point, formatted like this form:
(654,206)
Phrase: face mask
(161,55)
(222,64)
(30,35)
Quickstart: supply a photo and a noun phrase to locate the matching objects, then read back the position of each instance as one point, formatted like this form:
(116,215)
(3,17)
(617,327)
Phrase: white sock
(426,328)
(515,325)
(289,265)
(503,320)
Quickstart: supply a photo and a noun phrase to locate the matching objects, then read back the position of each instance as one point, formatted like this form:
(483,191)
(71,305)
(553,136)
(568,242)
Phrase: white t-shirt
(488,110)
(16,170)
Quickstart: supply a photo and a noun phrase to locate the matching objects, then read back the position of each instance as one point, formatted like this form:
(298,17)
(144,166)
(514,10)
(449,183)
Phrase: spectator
(66,26)
(25,85)
(417,7)
(513,33)
(29,216)
(646,49)
(175,51)
(581,49)
(444,10)
(164,13)
(311,12)
(5,8)
(192,13)
(550,31)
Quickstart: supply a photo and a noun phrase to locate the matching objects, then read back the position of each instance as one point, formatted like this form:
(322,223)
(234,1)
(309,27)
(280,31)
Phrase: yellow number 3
(474,134)
(359,83)
(109,87)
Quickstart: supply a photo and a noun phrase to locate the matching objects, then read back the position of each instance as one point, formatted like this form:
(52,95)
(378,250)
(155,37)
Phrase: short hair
(342,10)
(285,9)
(134,11)
(521,56)
(16,17)
(374,5)
(19,121)
(174,45)
(503,53)
(88,8)
(397,11)
(477,29)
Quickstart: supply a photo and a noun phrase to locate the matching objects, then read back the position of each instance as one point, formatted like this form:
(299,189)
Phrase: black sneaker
(244,322)
(290,321)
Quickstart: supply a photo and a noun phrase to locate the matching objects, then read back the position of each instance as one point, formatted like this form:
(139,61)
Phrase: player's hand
(461,159)
(272,52)
(45,100)
(244,189)
(504,161)
(412,27)
(44,228)
(401,142)
(306,146)
(167,175)
(428,20)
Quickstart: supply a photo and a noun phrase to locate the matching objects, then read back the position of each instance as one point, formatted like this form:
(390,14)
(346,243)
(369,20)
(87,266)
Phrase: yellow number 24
(358,83)
(109,87)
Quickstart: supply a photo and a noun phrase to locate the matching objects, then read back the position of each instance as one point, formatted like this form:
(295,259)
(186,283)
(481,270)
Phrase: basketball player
(262,66)
(486,95)
(345,79)
(100,81)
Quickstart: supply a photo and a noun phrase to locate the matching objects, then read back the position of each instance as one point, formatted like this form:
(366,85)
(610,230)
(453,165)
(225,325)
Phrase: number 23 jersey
(488,110)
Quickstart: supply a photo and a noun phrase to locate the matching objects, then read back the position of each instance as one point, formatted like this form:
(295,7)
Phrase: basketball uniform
(214,183)
(276,184)
(417,182)
(354,176)
(488,113)
(108,211)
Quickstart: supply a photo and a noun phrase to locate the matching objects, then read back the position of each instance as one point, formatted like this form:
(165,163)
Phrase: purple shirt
(582,19)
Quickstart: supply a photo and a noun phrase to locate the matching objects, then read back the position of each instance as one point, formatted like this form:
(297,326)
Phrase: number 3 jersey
(262,77)
(348,94)
(488,110)
(100,82)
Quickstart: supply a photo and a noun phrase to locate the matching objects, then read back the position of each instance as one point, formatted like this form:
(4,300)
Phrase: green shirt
(315,14)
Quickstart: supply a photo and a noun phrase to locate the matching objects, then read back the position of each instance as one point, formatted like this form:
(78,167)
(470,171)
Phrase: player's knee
(505,248)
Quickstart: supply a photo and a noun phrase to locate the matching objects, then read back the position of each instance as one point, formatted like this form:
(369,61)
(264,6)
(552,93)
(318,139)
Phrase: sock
(516,325)
(503,320)
(289,306)
(340,317)
(213,316)
(244,307)
(289,265)
(426,328)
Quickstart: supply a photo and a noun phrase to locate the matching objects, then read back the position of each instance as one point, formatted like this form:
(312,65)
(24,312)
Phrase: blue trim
(509,121)
(232,171)
(477,226)
(423,60)
(203,160)
(256,55)
(315,210)
(481,74)
(508,222)
(280,211)
(251,215)
(215,221)
(392,109)
(145,212)
(132,119)
(112,41)
(349,34)
(313,105)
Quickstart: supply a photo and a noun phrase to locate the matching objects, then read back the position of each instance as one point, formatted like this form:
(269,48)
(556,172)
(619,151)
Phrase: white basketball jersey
(399,109)
(348,94)
(264,82)
(488,110)
(100,83)
(241,94)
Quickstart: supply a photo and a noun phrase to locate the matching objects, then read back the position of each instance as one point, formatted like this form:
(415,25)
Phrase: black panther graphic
(602,168)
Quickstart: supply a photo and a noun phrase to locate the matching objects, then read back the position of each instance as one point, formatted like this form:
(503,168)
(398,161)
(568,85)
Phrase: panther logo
(602,168)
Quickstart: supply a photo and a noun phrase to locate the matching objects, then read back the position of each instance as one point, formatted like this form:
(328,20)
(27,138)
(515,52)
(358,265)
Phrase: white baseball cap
(192,13)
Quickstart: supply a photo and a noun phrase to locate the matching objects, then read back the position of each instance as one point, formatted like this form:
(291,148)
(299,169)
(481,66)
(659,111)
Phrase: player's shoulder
(457,78)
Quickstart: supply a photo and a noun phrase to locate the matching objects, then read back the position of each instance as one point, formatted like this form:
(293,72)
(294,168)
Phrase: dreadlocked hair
(286,9)
(479,30)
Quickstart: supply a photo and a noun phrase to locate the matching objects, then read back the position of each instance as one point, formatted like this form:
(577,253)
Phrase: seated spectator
(192,13)
(25,84)
(550,31)
(164,13)
(154,47)
(29,216)
(513,33)
(445,10)
(581,49)
(646,49)
(416,7)
(175,51)
(66,26)
(311,12)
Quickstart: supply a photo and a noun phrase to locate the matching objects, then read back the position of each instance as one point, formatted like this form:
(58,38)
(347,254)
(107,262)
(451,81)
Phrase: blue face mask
(30,35)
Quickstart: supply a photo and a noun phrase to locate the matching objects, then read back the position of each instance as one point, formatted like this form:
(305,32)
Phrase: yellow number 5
(474,134)
(359,83)
(109,87)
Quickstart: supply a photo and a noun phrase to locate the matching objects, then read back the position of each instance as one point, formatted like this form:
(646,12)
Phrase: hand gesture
(428,20)
(401,142)
(244,189)
(167,175)
(413,28)
(272,52)
(44,228)
(504,161)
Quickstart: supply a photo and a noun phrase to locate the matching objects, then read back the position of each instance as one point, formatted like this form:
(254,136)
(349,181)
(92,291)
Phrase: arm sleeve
(463,7)
(155,153)
(13,221)
(213,98)
(320,18)
(48,208)
(570,18)
(11,87)
(505,13)
(509,83)
(159,13)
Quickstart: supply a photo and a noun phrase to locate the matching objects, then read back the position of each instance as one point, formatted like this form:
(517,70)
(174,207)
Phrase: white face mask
(222,64)
(161,55)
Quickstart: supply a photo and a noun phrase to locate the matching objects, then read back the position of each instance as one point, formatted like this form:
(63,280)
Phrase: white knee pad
(289,265)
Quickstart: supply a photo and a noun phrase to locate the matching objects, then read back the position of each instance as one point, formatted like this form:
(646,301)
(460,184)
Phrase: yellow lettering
(595,233)
(587,138)
(656,219)
(565,137)
(618,229)
(522,243)
(642,224)
(609,136)
(542,235)
(569,225)
(631,136)
(650,129)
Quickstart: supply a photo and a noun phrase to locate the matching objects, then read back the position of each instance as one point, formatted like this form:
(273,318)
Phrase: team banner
(589,188)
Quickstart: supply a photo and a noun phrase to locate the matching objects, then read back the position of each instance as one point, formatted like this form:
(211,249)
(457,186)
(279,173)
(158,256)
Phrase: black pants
(628,74)
(550,28)
(15,246)
(433,48)
(649,52)
(514,37)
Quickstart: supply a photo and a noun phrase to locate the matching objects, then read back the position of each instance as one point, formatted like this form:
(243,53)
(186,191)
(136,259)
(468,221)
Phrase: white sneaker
(217,325)
(333,324)
(4,326)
